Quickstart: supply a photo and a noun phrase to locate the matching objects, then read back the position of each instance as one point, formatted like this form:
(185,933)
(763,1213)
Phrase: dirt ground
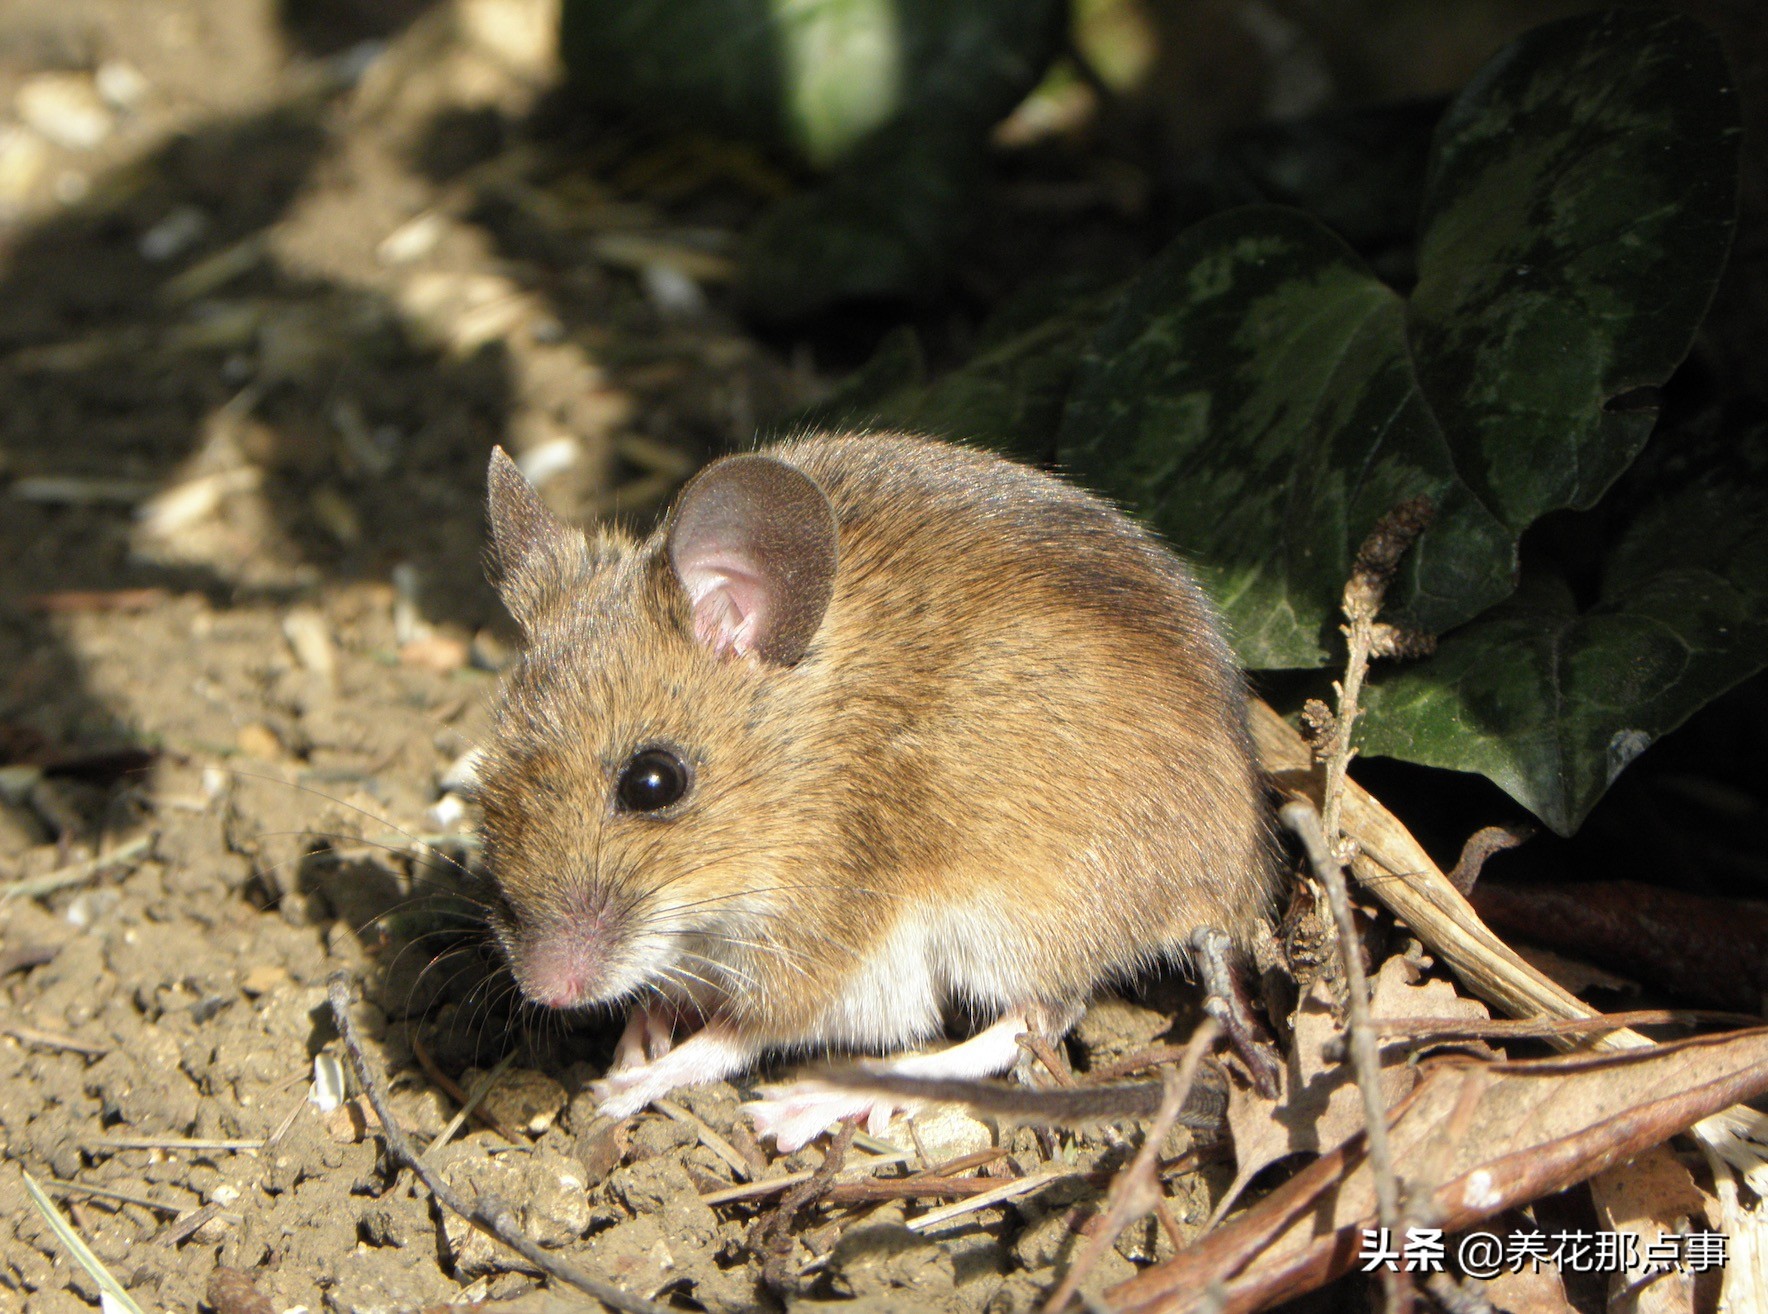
(273,279)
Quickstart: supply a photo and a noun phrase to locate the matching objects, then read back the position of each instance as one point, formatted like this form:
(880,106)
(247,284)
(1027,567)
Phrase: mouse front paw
(622,1094)
(797,1114)
(710,1054)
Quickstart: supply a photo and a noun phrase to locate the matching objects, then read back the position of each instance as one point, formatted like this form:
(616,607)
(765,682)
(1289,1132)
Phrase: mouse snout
(565,966)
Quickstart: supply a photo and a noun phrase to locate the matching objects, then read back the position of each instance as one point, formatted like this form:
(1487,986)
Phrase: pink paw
(797,1114)
(623,1093)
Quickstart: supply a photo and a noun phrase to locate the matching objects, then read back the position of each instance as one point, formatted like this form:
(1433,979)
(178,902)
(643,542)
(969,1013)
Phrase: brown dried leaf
(1471,1140)
(1393,866)
(1318,1105)
(1650,1197)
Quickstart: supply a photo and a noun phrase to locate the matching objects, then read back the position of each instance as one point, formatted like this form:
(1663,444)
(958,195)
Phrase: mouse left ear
(534,555)
(753,542)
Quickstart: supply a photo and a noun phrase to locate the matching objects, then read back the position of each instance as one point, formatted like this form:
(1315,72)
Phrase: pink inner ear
(730,602)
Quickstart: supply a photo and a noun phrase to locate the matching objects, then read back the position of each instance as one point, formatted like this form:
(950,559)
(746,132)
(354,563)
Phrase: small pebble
(120,84)
(262,979)
(461,775)
(435,652)
(449,811)
(522,1100)
(172,236)
(65,108)
(488,652)
(673,294)
(24,159)
(258,740)
(412,240)
(310,637)
(541,464)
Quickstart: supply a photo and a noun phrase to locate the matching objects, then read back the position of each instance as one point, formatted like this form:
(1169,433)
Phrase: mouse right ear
(753,542)
(532,550)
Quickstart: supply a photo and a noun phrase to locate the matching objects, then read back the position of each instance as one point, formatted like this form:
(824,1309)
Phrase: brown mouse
(873,730)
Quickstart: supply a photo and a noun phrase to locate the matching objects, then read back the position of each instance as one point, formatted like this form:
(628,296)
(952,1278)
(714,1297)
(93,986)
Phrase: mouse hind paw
(796,1114)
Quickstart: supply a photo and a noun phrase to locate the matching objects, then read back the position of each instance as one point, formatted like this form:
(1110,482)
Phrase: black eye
(654,778)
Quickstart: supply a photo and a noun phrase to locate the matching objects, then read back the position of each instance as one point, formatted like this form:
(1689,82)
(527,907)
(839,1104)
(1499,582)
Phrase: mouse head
(655,746)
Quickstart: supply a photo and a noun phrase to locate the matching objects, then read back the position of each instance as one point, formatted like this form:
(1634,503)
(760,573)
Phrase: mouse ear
(531,548)
(753,542)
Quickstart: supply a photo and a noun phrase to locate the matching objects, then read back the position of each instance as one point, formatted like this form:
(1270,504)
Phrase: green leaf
(863,400)
(1009,396)
(894,98)
(698,62)
(817,77)
(881,227)
(1253,398)
(1262,398)
(1549,700)
(1580,203)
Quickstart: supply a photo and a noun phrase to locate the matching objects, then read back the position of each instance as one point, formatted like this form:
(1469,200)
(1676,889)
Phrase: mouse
(875,734)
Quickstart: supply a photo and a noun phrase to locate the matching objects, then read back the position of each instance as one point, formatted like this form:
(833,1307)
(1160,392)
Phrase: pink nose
(559,994)
(560,971)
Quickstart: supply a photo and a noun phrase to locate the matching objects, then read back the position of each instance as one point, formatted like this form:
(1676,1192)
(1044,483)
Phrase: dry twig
(1321,834)
(770,1238)
(1481,845)
(492,1215)
(1137,1187)
(1301,818)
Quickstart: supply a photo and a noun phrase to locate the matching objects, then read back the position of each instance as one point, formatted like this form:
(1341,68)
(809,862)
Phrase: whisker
(320,793)
(420,852)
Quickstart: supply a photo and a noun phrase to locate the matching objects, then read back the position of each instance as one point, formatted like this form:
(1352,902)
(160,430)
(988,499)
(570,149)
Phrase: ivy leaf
(893,99)
(1551,700)
(1009,396)
(1262,398)
(1580,202)
(1254,399)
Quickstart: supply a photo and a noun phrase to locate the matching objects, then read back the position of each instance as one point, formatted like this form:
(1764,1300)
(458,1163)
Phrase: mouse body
(873,730)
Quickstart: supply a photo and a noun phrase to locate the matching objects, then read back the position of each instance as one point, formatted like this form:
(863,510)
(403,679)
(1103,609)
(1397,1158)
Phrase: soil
(273,280)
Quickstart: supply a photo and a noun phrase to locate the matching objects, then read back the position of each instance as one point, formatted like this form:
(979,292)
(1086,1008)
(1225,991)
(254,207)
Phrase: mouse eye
(653,778)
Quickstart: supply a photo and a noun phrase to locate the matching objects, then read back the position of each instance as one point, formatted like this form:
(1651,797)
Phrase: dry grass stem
(1137,1188)
(494,1216)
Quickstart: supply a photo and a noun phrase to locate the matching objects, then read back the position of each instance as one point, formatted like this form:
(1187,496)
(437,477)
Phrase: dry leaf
(1471,1140)
(1652,1196)
(1318,1105)
(1529,1290)
(1393,866)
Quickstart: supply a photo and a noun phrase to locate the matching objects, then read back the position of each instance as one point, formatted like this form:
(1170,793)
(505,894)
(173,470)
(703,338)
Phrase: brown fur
(1016,701)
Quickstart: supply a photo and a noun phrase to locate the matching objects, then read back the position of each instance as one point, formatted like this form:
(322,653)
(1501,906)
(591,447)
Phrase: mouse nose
(565,993)
(561,971)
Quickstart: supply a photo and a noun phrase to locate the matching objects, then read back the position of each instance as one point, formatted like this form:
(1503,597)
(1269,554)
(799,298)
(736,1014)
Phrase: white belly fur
(931,960)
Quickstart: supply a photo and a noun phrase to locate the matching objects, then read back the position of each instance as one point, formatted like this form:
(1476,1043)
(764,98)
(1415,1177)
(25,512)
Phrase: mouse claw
(797,1114)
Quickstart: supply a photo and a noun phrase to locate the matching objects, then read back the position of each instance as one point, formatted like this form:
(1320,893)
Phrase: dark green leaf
(1254,399)
(1009,396)
(1263,399)
(897,370)
(818,78)
(1580,203)
(1550,701)
(704,63)
(881,227)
